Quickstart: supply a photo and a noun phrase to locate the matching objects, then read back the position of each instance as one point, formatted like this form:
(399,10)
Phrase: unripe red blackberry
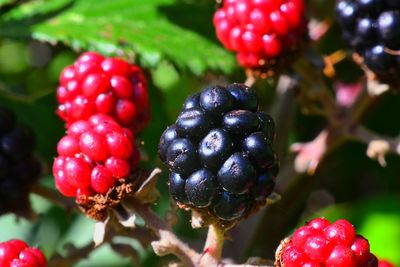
(16,253)
(220,155)
(385,263)
(93,156)
(372,30)
(95,84)
(265,34)
(321,243)
(19,169)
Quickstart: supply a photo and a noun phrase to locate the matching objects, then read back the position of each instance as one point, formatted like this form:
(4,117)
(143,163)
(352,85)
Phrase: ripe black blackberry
(19,169)
(219,152)
(372,30)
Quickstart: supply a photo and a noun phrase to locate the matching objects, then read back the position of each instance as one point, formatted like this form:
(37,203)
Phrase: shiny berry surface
(96,84)
(372,29)
(321,243)
(385,263)
(219,152)
(16,253)
(260,32)
(93,156)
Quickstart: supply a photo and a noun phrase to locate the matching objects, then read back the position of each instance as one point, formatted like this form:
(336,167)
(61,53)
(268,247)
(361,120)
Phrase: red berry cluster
(112,86)
(320,243)
(260,31)
(93,156)
(384,263)
(105,103)
(16,253)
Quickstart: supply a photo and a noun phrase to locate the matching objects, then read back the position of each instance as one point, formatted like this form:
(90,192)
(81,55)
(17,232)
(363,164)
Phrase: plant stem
(250,80)
(168,242)
(53,196)
(214,243)
(73,256)
(283,113)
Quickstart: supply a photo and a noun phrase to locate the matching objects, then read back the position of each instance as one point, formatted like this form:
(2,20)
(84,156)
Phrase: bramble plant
(271,123)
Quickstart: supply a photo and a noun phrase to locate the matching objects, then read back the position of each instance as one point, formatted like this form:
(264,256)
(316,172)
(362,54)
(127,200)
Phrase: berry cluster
(93,156)
(220,152)
(384,263)
(16,253)
(19,169)
(94,84)
(321,243)
(264,33)
(104,102)
(372,29)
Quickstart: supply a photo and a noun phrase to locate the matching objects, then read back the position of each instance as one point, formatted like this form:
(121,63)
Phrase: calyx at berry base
(104,102)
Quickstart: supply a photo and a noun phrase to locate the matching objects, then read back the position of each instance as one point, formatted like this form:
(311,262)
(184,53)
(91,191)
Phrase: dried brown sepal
(272,68)
(279,252)
(100,231)
(140,185)
(124,215)
(147,191)
(389,80)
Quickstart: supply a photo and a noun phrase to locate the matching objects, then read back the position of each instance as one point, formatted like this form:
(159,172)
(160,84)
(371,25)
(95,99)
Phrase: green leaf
(6,2)
(105,257)
(79,233)
(13,227)
(152,30)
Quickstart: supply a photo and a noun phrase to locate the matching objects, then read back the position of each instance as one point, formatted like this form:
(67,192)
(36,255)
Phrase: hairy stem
(74,256)
(168,242)
(213,246)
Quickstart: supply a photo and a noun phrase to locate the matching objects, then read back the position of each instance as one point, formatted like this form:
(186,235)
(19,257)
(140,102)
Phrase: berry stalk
(214,243)
(54,197)
(168,242)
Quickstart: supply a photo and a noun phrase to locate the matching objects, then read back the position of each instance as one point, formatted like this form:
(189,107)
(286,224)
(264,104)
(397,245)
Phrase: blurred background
(175,43)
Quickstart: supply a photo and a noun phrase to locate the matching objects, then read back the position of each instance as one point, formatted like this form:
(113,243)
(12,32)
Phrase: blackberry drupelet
(219,152)
(372,30)
(19,169)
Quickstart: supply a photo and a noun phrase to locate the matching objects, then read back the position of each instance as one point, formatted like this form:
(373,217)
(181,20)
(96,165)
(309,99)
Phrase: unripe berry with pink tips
(95,84)
(93,156)
(321,243)
(385,263)
(262,32)
(16,253)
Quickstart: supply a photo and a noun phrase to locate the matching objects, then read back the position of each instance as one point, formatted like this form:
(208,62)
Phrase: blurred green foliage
(156,30)
(174,42)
